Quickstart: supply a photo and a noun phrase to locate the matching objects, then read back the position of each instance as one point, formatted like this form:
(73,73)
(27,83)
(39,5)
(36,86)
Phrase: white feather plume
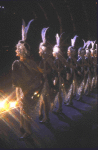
(25,29)
(73,41)
(84,43)
(93,43)
(88,43)
(43,33)
(57,39)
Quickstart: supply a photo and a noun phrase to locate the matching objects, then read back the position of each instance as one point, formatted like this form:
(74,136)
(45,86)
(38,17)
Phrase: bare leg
(46,109)
(41,109)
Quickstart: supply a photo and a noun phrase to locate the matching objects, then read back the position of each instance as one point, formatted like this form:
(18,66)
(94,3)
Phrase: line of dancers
(40,87)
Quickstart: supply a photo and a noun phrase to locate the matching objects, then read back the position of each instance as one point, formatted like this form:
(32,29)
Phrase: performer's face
(69,52)
(54,54)
(17,52)
(40,52)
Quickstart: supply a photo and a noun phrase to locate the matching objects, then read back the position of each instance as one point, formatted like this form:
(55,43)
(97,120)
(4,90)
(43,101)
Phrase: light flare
(36,93)
(13,104)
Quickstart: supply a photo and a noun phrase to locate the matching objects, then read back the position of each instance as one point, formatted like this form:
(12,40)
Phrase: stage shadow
(61,116)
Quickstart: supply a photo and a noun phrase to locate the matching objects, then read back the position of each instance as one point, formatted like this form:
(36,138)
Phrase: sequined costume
(27,76)
(48,91)
(69,81)
(59,86)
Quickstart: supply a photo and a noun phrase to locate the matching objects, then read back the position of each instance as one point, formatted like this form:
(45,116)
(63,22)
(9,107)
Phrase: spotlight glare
(12,104)
(36,93)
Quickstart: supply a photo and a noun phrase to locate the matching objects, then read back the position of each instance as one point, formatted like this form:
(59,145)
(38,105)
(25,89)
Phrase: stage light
(13,104)
(4,105)
(36,93)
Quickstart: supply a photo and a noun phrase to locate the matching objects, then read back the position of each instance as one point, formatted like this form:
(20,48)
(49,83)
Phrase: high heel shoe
(45,120)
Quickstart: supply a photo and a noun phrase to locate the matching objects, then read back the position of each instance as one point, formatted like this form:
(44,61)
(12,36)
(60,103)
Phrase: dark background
(69,16)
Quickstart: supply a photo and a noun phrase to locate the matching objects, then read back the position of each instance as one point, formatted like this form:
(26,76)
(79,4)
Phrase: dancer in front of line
(26,78)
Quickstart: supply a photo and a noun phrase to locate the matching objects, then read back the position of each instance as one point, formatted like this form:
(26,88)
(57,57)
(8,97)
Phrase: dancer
(70,71)
(95,64)
(86,69)
(80,71)
(60,62)
(48,91)
(92,52)
(27,78)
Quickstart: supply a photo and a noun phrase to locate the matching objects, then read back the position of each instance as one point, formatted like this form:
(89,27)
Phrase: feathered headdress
(22,46)
(93,43)
(84,44)
(25,29)
(88,44)
(43,43)
(56,48)
(92,49)
(71,48)
(43,34)
(73,41)
(81,50)
(87,48)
